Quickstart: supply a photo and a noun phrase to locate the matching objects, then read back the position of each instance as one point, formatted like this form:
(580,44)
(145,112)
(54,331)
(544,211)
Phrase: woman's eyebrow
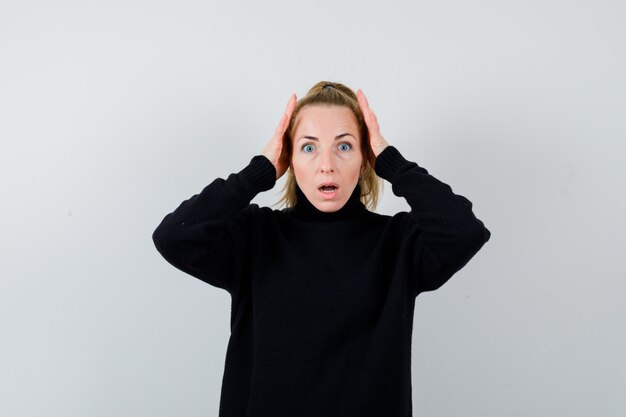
(336,137)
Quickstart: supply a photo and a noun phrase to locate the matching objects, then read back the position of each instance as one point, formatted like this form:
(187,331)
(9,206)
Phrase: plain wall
(112,113)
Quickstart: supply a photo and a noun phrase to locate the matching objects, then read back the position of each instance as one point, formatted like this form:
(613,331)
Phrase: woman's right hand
(274,149)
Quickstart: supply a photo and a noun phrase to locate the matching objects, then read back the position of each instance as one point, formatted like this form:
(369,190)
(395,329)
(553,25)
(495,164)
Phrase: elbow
(473,240)
(437,267)
(163,240)
(157,239)
(160,243)
(480,234)
(486,233)
(171,249)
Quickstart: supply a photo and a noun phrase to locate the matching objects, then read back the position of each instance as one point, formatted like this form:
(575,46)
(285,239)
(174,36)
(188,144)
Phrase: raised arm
(206,235)
(441,227)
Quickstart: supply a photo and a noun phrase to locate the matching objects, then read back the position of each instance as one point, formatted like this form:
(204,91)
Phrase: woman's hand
(377,141)
(274,149)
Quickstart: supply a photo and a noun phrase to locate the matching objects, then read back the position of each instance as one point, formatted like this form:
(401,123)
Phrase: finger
(291,103)
(364,106)
(361,100)
(375,127)
(367,112)
(280,129)
(366,101)
(282,124)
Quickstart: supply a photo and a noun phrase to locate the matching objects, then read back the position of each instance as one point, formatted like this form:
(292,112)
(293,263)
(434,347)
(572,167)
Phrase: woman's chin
(328,206)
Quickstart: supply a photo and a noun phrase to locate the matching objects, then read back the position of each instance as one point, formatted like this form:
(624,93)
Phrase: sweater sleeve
(206,235)
(441,228)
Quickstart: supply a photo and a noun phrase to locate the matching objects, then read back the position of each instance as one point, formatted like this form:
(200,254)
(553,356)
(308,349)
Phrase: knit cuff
(260,172)
(388,162)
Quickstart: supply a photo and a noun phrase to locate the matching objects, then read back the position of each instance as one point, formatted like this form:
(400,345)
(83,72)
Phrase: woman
(323,291)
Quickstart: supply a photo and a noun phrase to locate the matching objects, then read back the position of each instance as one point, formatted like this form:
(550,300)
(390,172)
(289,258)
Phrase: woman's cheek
(348,156)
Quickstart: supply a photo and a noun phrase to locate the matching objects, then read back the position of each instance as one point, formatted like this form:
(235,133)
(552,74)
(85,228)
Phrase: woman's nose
(327,163)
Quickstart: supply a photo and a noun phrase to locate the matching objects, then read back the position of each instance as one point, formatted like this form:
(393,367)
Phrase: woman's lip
(328,196)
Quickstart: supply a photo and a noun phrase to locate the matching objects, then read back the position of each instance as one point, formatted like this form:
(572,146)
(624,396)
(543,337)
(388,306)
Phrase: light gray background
(112,113)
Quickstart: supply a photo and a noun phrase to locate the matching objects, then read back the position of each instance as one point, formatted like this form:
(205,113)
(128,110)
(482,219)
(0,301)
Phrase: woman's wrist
(380,149)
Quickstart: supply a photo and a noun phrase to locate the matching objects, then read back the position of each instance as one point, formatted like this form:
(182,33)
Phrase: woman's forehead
(325,117)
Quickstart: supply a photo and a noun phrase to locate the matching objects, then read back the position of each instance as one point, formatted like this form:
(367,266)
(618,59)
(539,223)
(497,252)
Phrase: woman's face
(326,149)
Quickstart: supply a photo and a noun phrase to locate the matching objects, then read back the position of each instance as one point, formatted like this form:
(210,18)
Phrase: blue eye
(346,145)
(306,146)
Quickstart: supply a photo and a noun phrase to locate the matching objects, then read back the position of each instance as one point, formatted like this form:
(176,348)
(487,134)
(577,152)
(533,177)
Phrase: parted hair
(328,93)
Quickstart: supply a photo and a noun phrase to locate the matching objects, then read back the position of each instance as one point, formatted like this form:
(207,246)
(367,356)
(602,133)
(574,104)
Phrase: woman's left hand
(377,141)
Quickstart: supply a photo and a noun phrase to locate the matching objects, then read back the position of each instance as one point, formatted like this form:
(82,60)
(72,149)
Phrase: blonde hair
(334,94)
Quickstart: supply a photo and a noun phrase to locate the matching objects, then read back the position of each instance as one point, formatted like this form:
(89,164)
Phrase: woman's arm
(441,226)
(205,236)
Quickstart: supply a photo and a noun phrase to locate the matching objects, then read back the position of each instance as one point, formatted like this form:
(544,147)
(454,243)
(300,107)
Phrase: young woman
(323,291)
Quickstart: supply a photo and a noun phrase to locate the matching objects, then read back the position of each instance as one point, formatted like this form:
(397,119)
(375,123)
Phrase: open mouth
(328,189)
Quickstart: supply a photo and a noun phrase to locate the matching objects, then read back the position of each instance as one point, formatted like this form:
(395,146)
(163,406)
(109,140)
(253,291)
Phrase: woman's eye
(309,147)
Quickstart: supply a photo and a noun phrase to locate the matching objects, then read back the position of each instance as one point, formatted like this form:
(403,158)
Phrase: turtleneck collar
(304,210)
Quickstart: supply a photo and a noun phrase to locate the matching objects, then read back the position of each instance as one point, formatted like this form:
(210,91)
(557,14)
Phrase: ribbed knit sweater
(322,303)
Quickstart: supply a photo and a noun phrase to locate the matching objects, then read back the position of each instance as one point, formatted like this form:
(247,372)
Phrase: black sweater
(322,303)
